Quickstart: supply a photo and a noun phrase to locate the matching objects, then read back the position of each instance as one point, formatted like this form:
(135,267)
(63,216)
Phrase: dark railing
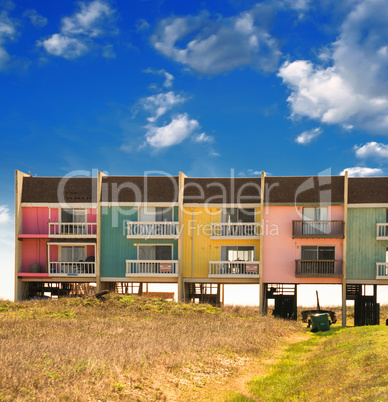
(318,229)
(322,268)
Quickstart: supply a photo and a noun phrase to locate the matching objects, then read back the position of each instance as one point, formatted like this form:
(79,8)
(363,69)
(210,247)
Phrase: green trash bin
(320,322)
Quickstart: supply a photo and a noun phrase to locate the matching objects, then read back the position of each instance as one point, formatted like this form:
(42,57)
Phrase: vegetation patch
(130,348)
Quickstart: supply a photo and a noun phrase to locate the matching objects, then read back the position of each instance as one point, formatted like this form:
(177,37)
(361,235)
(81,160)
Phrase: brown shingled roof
(140,189)
(222,190)
(45,189)
(368,190)
(304,189)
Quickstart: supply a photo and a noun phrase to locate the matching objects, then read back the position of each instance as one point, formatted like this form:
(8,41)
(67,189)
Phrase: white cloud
(159,104)
(353,90)
(142,25)
(204,138)
(168,78)
(65,46)
(358,171)
(174,133)
(372,150)
(4,214)
(80,31)
(214,154)
(7,247)
(307,136)
(7,33)
(36,19)
(213,46)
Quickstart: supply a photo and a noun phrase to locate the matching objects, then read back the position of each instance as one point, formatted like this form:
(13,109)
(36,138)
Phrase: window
(237,253)
(318,253)
(73,221)
(315,214)
(155,214)
(234,215)
(148,252)
(318,260)
(73,253)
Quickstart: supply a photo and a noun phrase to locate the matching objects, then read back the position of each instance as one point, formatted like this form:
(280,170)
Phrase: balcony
(382,231)
(153,230)
(235,230)
(318,268)
(162,268)
(72,230)
(318,229)
(234,269)
(80,268)
(381,270)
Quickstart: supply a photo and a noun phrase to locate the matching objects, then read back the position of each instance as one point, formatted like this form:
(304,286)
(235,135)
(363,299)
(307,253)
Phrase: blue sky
(290,87)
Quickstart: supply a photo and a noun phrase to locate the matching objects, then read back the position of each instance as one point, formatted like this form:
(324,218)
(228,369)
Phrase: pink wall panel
(53,253)
(54,215)
(281,250)
(34,252)
(91,215)
(89,251)
(35,220)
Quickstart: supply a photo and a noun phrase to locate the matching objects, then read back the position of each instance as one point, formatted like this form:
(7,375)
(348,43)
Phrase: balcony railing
(381,270)
(152,268)
(382,231)
(86,229)
(152,230)
(318,229)
(318,268)
(235,269)
(80,268)
(235,230)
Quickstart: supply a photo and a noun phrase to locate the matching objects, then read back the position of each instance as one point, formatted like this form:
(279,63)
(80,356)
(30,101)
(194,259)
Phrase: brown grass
(129,348)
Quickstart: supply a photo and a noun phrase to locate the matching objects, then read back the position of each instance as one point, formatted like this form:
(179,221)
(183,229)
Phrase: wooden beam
(182,178)
(346,187)
(261,265)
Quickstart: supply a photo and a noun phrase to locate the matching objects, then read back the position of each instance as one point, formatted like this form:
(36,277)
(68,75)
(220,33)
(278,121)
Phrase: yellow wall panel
(199,248)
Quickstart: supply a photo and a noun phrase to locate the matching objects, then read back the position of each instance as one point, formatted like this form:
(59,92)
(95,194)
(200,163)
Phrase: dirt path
(221,386)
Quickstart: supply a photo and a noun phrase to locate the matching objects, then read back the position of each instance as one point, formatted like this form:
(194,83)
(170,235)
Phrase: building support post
(262,301)
(346,182)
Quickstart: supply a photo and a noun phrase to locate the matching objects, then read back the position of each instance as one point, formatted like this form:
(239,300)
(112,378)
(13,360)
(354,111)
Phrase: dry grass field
(133,348)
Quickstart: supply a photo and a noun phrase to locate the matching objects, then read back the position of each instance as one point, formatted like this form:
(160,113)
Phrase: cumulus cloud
(7,247)
(80,31)
(4,214)
(160,103)
(168,78)
(142,25)
(7,33)
(359,171)
(353,90)
(204,138)
(215,45)
(180,128)
(65,46)
(307,136)
(35,18)
(372,150)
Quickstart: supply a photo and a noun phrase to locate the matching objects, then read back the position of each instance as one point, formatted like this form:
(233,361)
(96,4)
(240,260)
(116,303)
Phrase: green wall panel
(115,247)
(363,250)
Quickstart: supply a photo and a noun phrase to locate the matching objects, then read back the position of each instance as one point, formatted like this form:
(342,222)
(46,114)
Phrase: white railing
(80,268)
(234,268)
(233,230)
(57,229)
(382,231)
(152,267)
(381,270)
(150,230)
